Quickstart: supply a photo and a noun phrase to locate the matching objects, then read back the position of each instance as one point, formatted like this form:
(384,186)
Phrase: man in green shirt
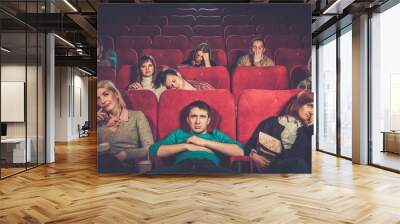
(196,151)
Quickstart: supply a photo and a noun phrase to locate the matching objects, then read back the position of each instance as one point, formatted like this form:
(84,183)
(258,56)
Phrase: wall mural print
(204,88)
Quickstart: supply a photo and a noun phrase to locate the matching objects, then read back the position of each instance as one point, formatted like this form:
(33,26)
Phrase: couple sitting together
(280,144)
(169,78)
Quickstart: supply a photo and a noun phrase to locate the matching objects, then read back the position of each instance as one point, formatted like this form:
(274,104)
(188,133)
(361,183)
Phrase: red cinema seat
(214,42)
(236,20)
(153,20)
(171,42)
(208,30)
(217,76)
(173,101)
(209,11)
(208,20)
(174,20)
(233,56)
(217,55)
(291,57)
(271,29)
(274,42)
(236,10)
(298,29)
(185,11)
(134,42)
(127,56)
(108,42)
(273,78)
(239,30)
(124,76)
(145,101)
(264,19)
(106,73)
(122,18)
(255,106)
(178,30)
(143,30)
(113,30)
(169,57)
(238,42)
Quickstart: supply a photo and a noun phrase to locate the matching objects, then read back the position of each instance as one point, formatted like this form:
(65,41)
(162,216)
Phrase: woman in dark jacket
(282,144)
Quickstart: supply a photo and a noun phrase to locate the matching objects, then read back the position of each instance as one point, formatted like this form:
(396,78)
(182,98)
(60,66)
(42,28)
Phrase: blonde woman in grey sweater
(127,132)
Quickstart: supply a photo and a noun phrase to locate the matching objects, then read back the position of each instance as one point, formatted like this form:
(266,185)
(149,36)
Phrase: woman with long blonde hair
(127,132)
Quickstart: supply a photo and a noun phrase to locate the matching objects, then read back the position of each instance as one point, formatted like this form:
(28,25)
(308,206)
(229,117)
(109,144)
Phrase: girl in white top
(147,76)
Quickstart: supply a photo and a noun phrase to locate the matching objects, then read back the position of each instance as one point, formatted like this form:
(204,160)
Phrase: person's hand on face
(102,115)
(196,141)
(193,147)
(206,57)
(198,58)
(258,50)
(134,86)
(106,101)
(258,55)
(259,161)
(310,121)
(306,113)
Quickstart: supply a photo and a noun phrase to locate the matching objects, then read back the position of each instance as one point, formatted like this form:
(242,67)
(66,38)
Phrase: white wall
(61,103)
(33,127)
(71,102)
(16,73)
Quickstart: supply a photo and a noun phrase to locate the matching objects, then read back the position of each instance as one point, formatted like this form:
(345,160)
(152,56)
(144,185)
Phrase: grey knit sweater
(134,136)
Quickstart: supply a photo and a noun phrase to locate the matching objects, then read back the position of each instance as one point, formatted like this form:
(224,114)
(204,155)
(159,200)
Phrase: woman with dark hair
(147,76)
(282,144)
(126,133)
(201,57)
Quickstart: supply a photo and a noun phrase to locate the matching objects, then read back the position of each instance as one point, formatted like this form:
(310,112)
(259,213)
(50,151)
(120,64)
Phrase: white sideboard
(17,145)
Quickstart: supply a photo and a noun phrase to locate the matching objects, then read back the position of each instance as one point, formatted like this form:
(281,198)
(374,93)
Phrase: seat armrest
(234,159)
(157,161)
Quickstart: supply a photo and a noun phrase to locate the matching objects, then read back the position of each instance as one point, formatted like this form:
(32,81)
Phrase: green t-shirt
(179,136)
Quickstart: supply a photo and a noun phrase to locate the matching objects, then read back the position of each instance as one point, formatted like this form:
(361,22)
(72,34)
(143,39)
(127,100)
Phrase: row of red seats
(199,20)
(265,12)
(198,30)
(183,43)
(241,16)
(287,57)
(238,119)
(272,78)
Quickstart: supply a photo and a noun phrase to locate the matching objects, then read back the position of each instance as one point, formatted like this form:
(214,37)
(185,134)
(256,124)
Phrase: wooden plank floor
(70,191)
